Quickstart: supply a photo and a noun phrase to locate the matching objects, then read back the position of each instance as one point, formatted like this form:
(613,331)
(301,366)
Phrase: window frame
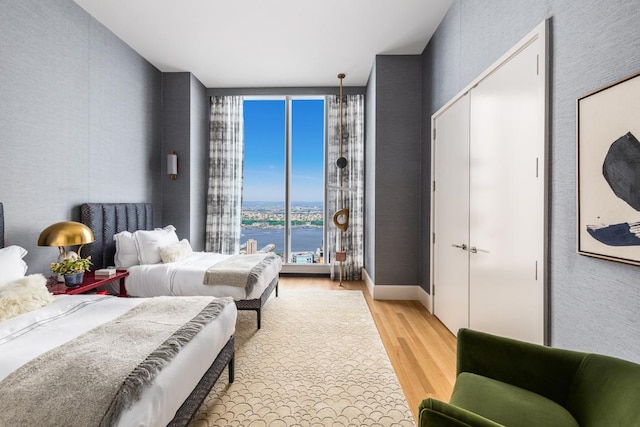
(288,266)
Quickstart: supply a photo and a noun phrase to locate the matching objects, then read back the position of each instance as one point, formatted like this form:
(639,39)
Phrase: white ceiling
(270,43)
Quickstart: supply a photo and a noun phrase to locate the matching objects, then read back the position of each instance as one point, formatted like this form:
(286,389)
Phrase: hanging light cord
(341,76)
(340,171)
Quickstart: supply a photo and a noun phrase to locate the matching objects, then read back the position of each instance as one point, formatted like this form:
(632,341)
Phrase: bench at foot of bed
(257,304)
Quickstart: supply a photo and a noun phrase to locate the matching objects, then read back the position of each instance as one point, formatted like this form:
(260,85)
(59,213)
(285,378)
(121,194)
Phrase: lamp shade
(66,233)
(172,165)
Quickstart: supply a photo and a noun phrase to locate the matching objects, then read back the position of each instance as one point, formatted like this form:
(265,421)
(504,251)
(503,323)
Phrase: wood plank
(421,349)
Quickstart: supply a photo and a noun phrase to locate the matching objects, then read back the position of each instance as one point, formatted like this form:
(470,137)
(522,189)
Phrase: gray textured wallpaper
(396,165)
(594,304)
(79,120)
(185,130)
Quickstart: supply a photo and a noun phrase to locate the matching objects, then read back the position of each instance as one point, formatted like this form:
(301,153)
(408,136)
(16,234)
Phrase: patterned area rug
(317,361)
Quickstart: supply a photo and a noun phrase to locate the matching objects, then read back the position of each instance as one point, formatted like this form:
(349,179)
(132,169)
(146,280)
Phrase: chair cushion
(507,404)
(435,413)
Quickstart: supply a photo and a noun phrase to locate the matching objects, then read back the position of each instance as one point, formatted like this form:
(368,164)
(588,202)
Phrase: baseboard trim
(397,292)
(425,299)
(368,282)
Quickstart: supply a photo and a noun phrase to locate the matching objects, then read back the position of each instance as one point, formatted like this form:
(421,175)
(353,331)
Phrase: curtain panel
(345,187)
(224,194)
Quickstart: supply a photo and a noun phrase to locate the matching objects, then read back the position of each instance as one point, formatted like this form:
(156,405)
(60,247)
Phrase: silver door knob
(462,246)
(475,250)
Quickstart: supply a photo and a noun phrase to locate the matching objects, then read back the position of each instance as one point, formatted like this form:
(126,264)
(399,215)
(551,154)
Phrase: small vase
(73,280)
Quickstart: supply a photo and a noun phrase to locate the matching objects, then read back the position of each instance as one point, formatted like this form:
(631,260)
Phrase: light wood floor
(421,349)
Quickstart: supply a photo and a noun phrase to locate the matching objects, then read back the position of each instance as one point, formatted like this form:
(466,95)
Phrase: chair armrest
(543,370)
(434,413)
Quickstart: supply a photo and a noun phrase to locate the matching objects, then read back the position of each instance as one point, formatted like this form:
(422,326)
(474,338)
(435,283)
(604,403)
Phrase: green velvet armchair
(505,382)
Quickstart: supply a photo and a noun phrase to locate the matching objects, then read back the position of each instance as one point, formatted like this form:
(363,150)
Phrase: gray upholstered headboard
(107,219)
(1,226)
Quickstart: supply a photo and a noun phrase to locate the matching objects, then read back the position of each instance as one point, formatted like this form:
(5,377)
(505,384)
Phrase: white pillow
(12,266)
(175,251)
(148,242)
(23,295)
(126,251)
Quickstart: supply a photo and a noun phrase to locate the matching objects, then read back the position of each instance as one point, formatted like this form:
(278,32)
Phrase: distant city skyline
(264,151)
(260,214)
(244,201)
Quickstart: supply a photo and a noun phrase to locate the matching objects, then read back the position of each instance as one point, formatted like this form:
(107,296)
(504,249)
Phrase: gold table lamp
(66,233)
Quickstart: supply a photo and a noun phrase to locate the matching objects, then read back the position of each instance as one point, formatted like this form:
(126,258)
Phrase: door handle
(462,246)
(475,250)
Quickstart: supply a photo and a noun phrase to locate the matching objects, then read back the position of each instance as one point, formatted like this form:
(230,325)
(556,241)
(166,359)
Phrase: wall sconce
(172,165)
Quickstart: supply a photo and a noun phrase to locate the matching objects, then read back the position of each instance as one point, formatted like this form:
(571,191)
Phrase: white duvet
(25,337)
(184,278)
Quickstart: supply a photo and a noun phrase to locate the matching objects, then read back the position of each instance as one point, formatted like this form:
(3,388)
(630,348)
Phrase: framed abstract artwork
(609,172)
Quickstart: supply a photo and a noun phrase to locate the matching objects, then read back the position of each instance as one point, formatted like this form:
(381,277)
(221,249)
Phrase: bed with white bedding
(45,338)
(79,360)
(159,264)
(185,277)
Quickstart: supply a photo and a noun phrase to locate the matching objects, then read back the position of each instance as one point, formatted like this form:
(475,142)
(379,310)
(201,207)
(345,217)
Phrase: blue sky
(264,150)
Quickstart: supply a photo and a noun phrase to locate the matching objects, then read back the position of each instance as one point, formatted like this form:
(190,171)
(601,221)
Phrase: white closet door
(451,215)
(507,200)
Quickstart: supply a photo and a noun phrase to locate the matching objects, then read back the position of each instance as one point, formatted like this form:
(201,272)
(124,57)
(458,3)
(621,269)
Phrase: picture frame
(608,172)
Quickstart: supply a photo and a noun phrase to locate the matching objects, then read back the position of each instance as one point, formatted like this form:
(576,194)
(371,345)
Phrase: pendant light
(341,217)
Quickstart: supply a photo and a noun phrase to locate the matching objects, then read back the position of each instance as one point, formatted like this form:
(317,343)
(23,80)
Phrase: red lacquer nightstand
(91,281)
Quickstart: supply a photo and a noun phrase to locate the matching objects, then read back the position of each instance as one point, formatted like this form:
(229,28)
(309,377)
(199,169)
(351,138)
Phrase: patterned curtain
(346,186)
(224,195)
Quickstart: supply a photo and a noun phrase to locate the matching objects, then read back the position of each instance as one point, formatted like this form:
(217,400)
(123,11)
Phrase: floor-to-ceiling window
(284,177)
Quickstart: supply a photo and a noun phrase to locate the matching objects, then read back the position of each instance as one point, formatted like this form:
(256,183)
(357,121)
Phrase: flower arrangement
(71,265)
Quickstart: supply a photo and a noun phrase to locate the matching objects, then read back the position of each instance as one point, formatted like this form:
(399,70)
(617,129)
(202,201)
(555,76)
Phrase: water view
(264,222)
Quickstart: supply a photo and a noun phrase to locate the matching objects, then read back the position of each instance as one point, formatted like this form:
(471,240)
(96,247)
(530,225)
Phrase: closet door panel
(506,200)
(451,215)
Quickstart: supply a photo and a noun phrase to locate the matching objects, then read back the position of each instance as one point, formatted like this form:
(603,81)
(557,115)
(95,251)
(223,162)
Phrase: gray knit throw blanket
(239,270)
(93,379)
